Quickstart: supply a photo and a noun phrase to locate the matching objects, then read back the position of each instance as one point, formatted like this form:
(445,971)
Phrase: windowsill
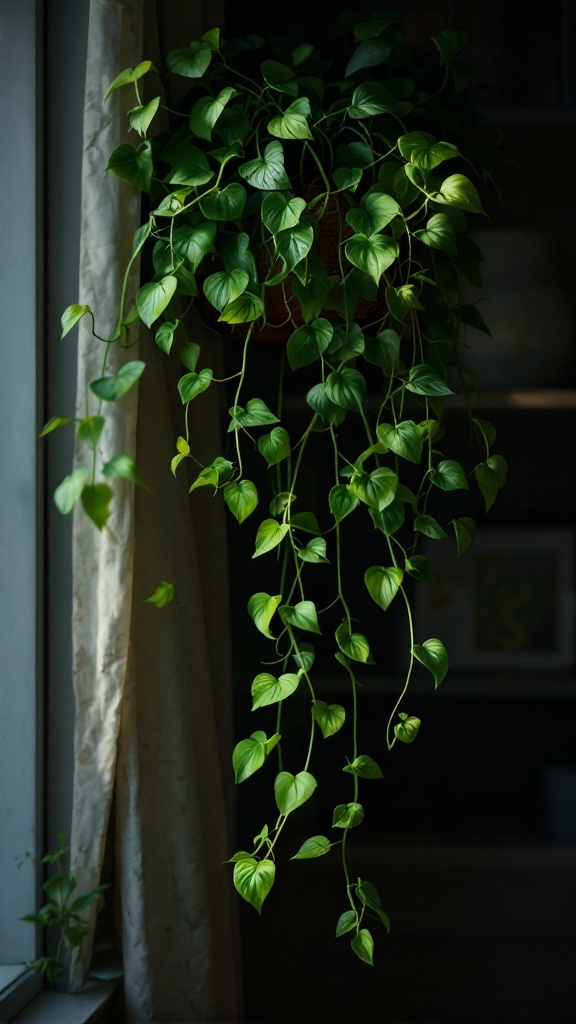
(86,1007)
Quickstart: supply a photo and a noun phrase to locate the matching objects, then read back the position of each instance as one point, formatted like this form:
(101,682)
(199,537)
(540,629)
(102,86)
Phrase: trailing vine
(311,196)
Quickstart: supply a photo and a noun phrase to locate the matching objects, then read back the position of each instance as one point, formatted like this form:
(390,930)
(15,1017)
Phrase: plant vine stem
(241,376)
(390,742)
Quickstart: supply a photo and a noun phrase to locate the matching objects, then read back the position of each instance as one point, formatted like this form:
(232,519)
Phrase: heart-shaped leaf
(434,656)
(267,689)
(383,584)
(261,608)
(243,310)
(275,446)
(372,254)
(407,729)
(96,500)
(71,316)
(291,791)
(346,922)
(375,212)
(249,755)
(404,439)
(302,615)
(316,846)
(225,205)
(222,288)
(329,717)
(353,645)
(133,165)
(266,173)
(241,497)
(110,389)
(314,551)
(347,389)
(280,212)
(347,815)
(206,111)
(193,384)
(67,493)
(364,767)
(449,476)
(293,123)
(270,535)
(342,501)
(253,879)
(153,298)
(306,344)
(464,528)
(458,190)
(376,489)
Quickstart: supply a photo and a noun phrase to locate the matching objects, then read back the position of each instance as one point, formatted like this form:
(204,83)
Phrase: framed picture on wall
(508,603)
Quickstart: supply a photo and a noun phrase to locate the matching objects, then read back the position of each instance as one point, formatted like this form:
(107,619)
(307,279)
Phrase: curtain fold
(152,686)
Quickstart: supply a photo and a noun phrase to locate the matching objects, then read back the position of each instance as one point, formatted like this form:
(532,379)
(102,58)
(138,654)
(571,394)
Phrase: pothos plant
(326,201)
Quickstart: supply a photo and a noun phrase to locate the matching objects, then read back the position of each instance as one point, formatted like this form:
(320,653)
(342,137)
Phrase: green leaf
(375,212)
(241,497)
(249,755)
(433,655)
(254,879)
(274,446)
(256,414)
(133,165)
(266,173)
(110,389)
(464,528)
(189,355)
(318,400)
(449,476)
(423,150)
(370,99)
(458,190)
(306,344)
(439,234)
(270,535)
(404,439)
(266,689)
(193,384)
(292,246)
(383,584)
(305,521)
(291,791)
(329,717)
(279,77)
(353,645)
(449,42)
(54,423)
(347,815)
(498,464)
(420,568)
(314,551)
(129,76)
(190,170)
(346,922)
(301,53)
(364,767)
(67,493)
(280,502)
(153,298)
(142,117)
(425,380)
(372,254)
(430,527)
(163,595)
(368,54)
(96,500)
(401,300)
(206,111)
(303,615)
(363,946)
(213,475)
(383,350)
(377,489)
(391,518)
(164,336)
(225,205)
(71,316)
(347,178)
(316,846)
(347,389)
(292,124)
(189,62)
(280,212)
(89,429)
(304,657)
(222,288)
(261,608)
(407,730)
(193,243)
(243,310)
(122,467)
(342,501)
(488,483)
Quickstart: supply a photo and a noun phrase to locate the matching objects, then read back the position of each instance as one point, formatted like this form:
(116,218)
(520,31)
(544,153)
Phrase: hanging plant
(326,202)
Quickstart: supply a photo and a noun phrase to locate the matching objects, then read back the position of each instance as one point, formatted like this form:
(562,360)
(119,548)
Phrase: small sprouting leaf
(54,424)
(363,946)
(449,476)
(261,608)
(267,689)
(129,76)
(270,535)
(348,815)
(346,922)
(67,493)
(329,717)
(193,384)
(291,791)
(110,389)
(96,500)
(316,846)
(383,584)
(163,595)
(407,729)
(353,645)
(89,430)
(153,298)
(365,767)
(71,316)
(464,528)
(253,879)
(249,755)
(241,497)
(302,615)
(122,467)
(434,656)
(342,501)
(274,446)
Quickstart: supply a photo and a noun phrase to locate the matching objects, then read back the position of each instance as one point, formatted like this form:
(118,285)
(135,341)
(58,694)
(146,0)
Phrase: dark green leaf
(206,111)
(346,922)
(306,344)
(430,527)
(401,300)
(364,767)
(464,528)
(110,389)
(305,656)
(372,254)
(449,476)
(439,234)
(164,336)
(267,172)
(449,42)
(433,655)
(383,350)
(420,568)
(342,501)
(347,389)
(193,243)
(96,500)
(225,205)
(274,446)
(193,384)
(377,489)
(133,165)
(280,212)
(391,518)
(222,288)
(318,400)
(305,521)
(369,54)
(279,77)
(190,62)
(425,380)
(404,439)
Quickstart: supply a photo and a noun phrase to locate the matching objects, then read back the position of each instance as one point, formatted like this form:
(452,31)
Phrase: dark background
(470,837)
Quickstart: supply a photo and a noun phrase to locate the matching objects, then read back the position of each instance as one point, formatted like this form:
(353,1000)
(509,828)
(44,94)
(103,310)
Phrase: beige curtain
(152,686)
